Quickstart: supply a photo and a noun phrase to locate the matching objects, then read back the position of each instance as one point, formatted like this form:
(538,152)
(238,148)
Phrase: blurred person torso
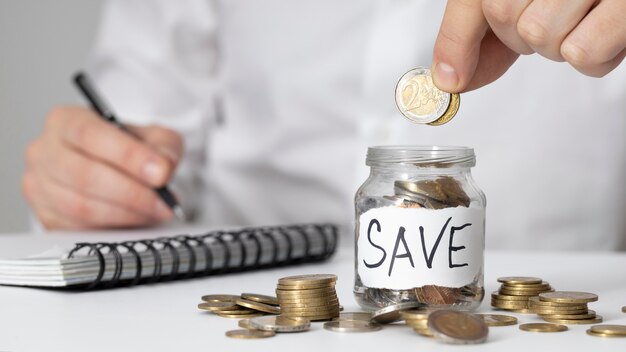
(278,101)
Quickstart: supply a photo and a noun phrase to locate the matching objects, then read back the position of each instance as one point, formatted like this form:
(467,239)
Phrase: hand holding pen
(84,172)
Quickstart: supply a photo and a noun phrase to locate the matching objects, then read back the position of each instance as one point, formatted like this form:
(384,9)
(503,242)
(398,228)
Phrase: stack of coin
(516,291)
(308,296)
(443,192)
(247,305)
(565,307)
(418,320)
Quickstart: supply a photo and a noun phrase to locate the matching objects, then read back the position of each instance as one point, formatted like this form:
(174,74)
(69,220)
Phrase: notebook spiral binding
(328,233)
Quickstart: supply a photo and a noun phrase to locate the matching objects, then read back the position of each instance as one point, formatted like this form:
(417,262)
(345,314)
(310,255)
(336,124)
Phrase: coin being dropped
(391,313)
(542,327)
(457,327)
(280,324)
(498,319)
(420,101)
(249,334)
(351,326)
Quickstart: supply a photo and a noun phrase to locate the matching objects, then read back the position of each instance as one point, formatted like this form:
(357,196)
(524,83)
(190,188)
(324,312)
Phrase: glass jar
(420,229)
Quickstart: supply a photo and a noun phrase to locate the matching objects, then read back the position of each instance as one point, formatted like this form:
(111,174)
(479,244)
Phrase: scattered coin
(420,101)
(498,319)
(271,300)
(457,327)
(542,327)
(249,334)
(238,316)
(609,329)
(280,324)
(568,297)
(599,334)
(258,306)
(219,298)
(391,313)
(351,326)
(216,306)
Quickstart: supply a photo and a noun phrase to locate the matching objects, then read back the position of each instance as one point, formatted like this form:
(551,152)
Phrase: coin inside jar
(420,101)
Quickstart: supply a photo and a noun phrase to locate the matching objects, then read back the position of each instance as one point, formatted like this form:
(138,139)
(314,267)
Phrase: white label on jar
(402,248)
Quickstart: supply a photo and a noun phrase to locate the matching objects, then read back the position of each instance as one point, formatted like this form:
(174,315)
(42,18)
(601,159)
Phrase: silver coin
(280,323)
(391,313)
(417,97)
(351,326)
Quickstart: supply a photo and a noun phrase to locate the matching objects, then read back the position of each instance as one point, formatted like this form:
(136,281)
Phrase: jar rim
(421,155)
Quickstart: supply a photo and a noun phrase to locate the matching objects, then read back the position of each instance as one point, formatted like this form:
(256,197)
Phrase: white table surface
(164,317)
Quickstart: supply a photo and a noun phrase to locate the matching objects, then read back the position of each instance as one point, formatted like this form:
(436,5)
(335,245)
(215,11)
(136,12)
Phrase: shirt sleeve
(154,62)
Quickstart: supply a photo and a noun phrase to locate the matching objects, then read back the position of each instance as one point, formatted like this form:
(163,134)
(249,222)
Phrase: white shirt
(278,101)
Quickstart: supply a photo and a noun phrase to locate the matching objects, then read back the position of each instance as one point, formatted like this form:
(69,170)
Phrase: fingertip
(445,77)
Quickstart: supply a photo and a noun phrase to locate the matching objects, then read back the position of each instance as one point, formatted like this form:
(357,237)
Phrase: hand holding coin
(479,40)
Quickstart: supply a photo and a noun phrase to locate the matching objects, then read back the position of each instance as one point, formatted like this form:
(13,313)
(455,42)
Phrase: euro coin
(589,315)
(217,306)
(457,327)
(280,323)
(420,101)
(610,329)
(391,313)
(495,295)
(351,326)
(453,108)
(537,302)
(271,300)
(245,324)
(568,297)
(219,298)
(238,316)
(595,320)
(498,319)
(314,279)
(599,334)
(520,280)
(624,309)
(261,307)
(543,327)
(249,334)
(364,316)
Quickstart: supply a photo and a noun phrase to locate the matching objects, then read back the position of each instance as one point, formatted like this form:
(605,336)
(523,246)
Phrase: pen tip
(180,214)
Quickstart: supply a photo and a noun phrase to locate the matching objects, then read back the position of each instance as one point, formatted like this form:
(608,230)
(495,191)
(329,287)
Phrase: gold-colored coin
(271,300)
(217,306)
(497,296)
(262,307)
(420,101)
(589,315)
(562,312)
(609,329)
(244,311)
(365,316)
(599,334)
(294,294)
(509,304)
(568,297)
(521,311)
(315,279)
(453,108)
(537,302)
(624,309)
(219,298)
(249,334)
(597,319)
(543,327)
(457,327)
(498,319)
(414,314)
(520,280)
(424,332)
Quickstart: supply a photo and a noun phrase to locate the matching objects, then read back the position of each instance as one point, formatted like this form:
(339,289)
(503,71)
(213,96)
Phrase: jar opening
(421,156)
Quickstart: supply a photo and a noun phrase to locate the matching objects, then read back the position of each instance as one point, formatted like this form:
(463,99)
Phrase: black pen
(84,84)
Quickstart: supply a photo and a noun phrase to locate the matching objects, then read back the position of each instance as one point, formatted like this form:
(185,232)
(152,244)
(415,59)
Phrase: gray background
(42,43)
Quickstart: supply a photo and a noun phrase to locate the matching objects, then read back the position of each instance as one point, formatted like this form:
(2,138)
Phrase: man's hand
(480,39)
(84,172)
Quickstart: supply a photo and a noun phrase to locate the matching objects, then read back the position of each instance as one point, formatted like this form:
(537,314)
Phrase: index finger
(85,131)
(457,48)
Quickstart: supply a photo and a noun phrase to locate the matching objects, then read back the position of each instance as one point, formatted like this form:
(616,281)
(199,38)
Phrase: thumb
(165,141)
(457,48)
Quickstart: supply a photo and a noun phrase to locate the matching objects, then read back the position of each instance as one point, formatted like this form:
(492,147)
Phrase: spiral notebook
(111,264)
